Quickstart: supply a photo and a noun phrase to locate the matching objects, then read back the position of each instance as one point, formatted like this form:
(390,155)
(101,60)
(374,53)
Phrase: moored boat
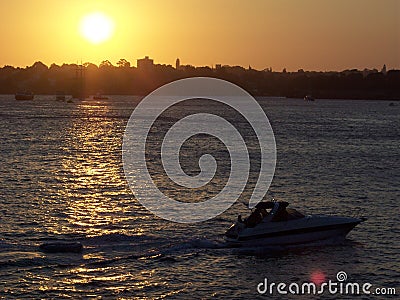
(25,95)
(309,98)
(99,96)
(60,96)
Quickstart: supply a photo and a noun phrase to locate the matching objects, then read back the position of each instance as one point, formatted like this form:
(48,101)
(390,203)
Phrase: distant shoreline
(107,79)
(256,96)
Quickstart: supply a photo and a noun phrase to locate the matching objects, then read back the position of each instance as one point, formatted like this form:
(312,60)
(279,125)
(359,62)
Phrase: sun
(97,27)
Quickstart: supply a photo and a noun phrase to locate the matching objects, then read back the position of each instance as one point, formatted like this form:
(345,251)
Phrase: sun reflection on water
(93,196)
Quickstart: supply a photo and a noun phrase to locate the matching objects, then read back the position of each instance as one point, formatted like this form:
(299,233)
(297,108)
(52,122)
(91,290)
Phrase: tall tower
(383,71)
(177,64)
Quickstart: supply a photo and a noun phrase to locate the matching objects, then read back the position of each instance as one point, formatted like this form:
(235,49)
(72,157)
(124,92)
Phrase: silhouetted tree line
(125,79)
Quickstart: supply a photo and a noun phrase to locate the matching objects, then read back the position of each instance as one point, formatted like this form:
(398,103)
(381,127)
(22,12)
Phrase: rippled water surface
(61,178)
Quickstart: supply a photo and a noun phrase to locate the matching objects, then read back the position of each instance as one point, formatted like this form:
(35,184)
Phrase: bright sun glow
(96,27)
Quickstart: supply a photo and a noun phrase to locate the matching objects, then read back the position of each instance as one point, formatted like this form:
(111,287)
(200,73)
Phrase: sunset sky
(308,34)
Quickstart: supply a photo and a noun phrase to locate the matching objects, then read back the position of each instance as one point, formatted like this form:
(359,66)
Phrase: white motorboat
(273,223)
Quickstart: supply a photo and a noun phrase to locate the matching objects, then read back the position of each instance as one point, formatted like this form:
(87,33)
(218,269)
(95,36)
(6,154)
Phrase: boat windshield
(294,214)
(287,214)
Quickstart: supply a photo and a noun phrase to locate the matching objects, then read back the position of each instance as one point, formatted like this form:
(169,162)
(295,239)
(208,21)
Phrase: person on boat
(255,218)
(281,215)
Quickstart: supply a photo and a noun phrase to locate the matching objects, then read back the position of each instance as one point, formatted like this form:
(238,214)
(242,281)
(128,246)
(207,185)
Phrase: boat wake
(119,247)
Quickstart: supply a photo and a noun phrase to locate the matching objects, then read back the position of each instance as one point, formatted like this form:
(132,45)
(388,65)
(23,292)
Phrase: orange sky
(309,34)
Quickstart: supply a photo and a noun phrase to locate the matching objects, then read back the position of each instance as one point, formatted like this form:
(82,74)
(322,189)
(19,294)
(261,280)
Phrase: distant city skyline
(308,34)
(147,63)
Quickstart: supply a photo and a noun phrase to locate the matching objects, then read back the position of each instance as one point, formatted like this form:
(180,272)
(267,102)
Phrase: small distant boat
(309,98)
(24,95)
(79,96)
(60,96)
(99,96)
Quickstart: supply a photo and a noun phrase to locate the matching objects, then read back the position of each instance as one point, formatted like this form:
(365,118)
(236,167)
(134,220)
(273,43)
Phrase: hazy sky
(309,34)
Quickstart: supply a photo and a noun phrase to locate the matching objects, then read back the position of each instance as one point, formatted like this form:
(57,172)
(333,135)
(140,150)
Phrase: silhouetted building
(236,70)
(187,68)
(383,71)
(177,64)
(145,64)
